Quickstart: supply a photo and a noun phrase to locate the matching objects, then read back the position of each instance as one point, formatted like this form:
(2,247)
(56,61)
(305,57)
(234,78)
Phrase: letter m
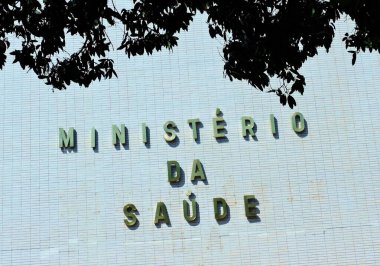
(66,140)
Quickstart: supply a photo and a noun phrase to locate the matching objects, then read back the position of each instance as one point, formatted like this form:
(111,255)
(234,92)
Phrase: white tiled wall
(319,193)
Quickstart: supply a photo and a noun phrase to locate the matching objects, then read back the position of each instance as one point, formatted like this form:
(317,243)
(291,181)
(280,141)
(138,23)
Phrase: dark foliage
(262,39)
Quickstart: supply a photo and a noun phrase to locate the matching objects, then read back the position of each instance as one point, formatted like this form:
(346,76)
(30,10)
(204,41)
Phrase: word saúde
(221,211)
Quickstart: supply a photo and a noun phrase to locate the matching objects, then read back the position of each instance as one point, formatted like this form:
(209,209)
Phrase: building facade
(317,191)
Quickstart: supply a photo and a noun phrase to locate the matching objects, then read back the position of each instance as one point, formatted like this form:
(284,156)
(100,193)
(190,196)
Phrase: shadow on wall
(228,217)
(304,133)
(223,131)
(255,219)
(181,182)
(176,141)
(71,150)
(126,145)
(200,125)
(147,144)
